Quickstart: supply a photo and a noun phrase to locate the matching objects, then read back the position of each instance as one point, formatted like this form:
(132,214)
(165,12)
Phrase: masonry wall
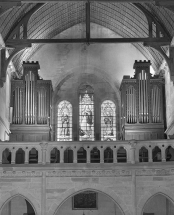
(51,191)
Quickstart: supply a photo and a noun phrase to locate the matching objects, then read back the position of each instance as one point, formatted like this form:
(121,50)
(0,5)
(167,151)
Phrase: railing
(86,152)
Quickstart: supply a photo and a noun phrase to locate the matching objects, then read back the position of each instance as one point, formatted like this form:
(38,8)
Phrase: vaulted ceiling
(125,19)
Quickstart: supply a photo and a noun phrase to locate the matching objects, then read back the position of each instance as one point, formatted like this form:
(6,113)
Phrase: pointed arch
(24,194)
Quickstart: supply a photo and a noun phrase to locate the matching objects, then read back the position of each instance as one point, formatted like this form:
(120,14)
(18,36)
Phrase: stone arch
(89,187)
(24,194)
(151,193)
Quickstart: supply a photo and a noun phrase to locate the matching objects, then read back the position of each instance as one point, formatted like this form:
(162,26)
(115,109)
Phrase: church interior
(86,107)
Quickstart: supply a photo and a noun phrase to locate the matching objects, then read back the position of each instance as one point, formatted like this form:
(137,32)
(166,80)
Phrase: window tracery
(86,113)
(64,121)
(108,122)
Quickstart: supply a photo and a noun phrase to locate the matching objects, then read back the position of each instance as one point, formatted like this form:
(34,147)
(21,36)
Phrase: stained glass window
(86,113)
(108,121)
(64,121)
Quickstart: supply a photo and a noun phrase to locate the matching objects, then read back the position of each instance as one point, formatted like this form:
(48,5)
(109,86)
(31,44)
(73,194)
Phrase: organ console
(31,106)
(142,104)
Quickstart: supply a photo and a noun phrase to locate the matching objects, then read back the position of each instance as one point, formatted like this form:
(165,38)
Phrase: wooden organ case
(142,100)
(31,100)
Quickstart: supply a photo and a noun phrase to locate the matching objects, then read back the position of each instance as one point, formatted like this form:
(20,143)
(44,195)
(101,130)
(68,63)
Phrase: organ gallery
(86,107)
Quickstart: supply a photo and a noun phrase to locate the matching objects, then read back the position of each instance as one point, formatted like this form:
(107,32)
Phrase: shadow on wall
(18,206)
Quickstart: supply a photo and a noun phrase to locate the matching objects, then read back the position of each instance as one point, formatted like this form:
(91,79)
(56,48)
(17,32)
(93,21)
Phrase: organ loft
(86,107)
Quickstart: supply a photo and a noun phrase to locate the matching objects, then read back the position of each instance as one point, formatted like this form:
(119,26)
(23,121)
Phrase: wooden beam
(27,42)
(87,20)
(44,1)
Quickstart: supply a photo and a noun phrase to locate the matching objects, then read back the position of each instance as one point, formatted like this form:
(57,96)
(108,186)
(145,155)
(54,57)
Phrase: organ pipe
(156,104)
(131,105)
(17,106)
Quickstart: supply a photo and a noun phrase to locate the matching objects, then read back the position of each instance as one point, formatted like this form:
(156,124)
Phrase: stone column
(88,154)
(114,155)
(61,155)
(1,156)
(43,152)
(13,155)
(43,194)
(75,156)
(101,155)
(26,155)
(150,154)
(163,154)
(133,144)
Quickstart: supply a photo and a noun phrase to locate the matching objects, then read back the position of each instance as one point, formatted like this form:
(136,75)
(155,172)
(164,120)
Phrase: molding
(87,173)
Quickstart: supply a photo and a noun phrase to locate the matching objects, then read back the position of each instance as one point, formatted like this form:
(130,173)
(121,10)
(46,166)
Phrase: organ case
(31,100)
(142,104)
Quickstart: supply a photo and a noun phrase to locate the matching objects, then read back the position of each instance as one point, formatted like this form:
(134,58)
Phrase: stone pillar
(88,151)
(61,155)
(26,155)
(150,154)
(75,156)
(133,144)
(13,155)
(43,152)
(43,194)
(1,156)
(163,154)
(101,155)
(114,155)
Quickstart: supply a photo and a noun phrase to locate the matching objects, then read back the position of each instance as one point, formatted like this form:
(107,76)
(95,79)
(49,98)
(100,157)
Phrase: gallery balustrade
(86,152)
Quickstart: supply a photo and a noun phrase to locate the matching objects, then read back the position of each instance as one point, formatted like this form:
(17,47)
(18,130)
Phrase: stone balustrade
(91,152)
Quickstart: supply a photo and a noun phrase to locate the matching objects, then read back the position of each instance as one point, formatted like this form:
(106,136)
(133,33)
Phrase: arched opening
(169,154)
(33,156)
(81,155)
(143,155)
(89,203)
(156,154)
(20,156)
(55,156)
(6,156)
(108,155)
(158,204)
(95,155)
(18,206)
(68,156)
(121,155)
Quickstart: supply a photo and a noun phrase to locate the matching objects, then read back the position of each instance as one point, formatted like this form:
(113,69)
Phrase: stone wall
(49,191)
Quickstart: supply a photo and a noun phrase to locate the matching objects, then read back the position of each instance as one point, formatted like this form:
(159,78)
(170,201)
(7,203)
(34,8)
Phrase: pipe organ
(31,100)
(142,105)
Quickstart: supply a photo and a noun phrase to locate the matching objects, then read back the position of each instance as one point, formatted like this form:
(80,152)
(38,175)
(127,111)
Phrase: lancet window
(86,113)
(64,121)
(108,121)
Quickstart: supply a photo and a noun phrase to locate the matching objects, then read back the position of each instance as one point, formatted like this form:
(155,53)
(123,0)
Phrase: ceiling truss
(17,37)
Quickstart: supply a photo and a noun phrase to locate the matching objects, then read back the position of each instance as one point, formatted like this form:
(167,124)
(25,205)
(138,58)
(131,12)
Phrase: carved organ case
(31,100)
(142,99)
